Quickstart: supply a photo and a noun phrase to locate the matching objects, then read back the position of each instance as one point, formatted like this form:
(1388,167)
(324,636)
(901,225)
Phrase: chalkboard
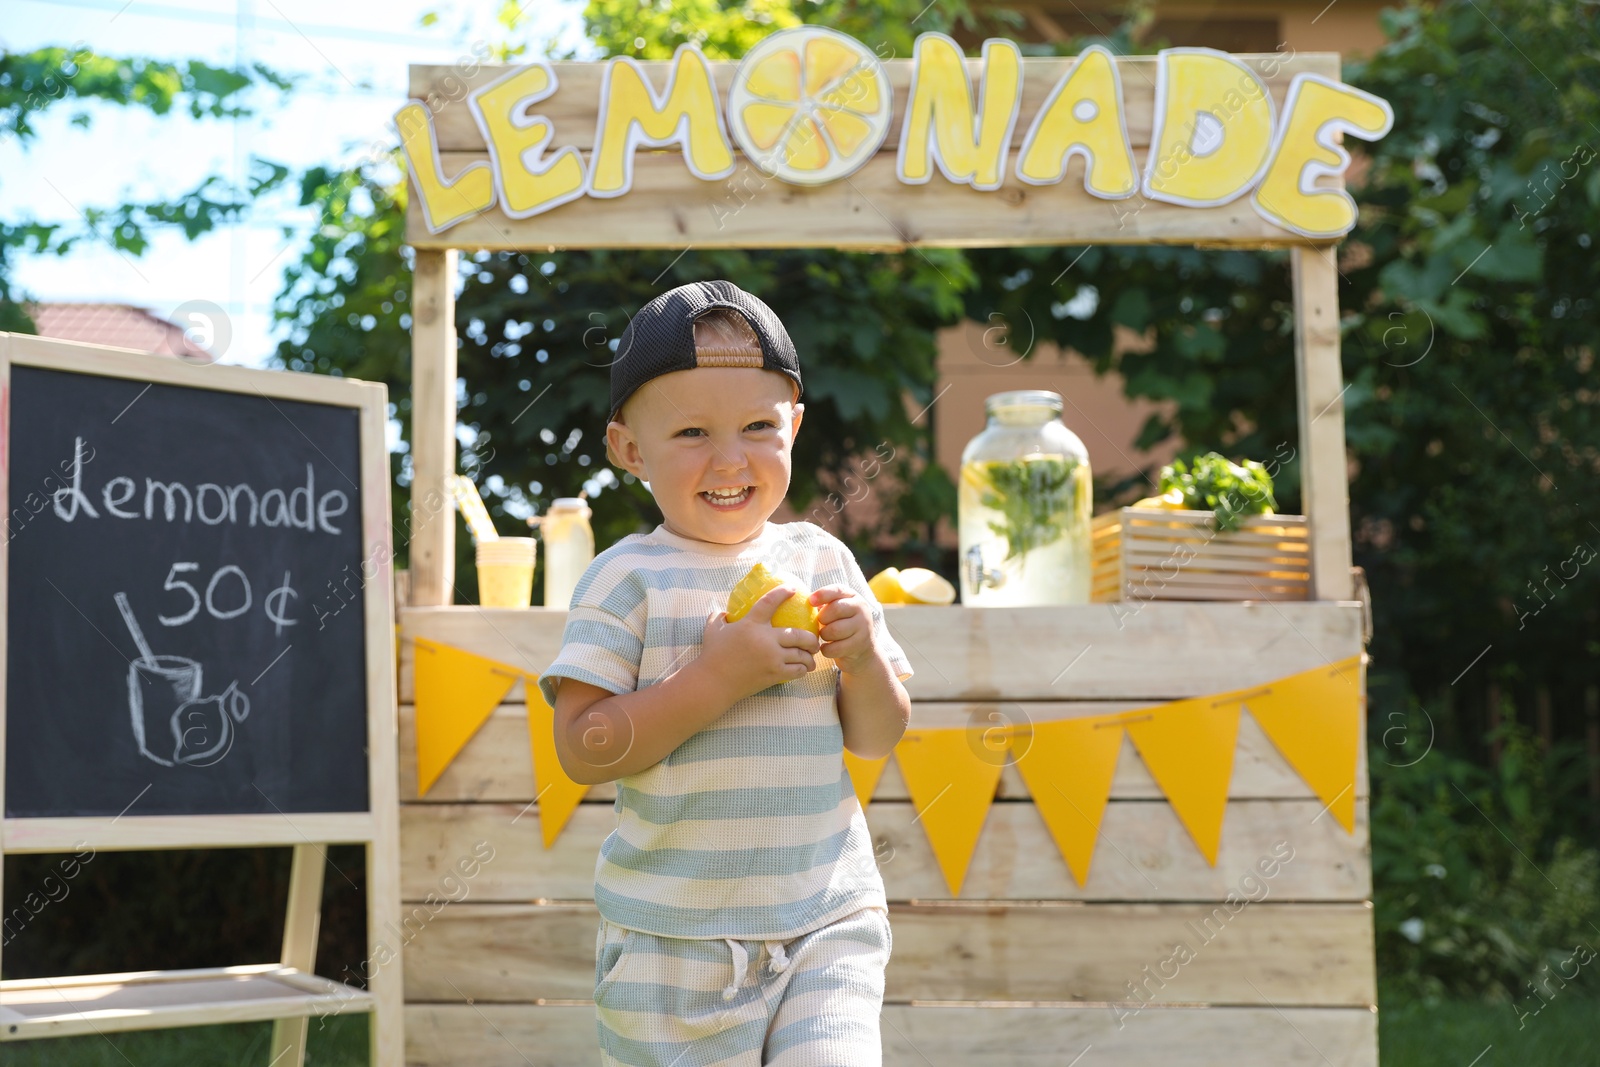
(185,620)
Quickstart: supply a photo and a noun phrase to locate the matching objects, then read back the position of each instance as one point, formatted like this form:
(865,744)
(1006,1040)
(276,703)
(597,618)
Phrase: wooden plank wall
(1025,968)
(668,207)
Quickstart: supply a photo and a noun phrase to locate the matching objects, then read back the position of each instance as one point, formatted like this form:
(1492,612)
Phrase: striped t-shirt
(750,829)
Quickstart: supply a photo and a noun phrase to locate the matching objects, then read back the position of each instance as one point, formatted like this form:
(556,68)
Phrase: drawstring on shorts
(778,962)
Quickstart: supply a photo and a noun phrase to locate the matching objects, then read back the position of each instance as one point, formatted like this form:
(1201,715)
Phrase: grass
(342,1042)
(1457,1034)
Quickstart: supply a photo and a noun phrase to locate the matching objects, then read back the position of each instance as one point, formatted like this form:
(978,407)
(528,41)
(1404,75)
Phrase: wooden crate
(1026,967)
(1155,554)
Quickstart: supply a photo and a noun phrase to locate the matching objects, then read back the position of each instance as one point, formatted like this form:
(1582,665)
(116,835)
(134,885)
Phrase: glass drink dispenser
(1024,505)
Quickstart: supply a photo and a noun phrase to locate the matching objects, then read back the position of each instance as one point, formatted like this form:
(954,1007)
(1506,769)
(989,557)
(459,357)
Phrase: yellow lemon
(914,585)
(923,586)
(1171,500)
(809,105)
(975,475)
(761,581)
(885,585)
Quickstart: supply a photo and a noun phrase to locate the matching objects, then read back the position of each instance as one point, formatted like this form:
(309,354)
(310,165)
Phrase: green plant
(1228,490)
(1033,497)
(1475,895)
(1420,1034)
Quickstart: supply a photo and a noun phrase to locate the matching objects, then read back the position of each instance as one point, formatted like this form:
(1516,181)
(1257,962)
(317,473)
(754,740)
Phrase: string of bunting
(1313,718)
(457,691)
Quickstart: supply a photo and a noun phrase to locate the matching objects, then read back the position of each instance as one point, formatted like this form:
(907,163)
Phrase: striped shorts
(809,1002)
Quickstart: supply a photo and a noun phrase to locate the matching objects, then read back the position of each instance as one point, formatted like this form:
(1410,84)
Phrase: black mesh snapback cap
(659,339)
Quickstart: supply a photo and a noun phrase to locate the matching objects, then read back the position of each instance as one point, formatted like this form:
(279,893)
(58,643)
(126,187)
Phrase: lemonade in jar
(1024,505)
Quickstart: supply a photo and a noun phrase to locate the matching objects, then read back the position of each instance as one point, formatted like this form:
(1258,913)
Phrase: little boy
(743,918)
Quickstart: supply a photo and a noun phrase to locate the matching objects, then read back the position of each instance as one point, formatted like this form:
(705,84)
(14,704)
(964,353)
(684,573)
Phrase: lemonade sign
(810,106)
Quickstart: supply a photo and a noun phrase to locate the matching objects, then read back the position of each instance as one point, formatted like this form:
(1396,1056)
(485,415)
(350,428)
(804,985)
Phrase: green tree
(1470,334)
(1468,291)
(34,83)
(1479,894)
(865,324)
(1479,457)
(1469,322)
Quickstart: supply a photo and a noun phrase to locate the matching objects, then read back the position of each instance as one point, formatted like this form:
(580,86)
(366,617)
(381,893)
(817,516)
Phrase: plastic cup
(505,572)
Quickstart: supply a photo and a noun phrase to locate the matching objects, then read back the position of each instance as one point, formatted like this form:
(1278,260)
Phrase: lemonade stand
(1137,824)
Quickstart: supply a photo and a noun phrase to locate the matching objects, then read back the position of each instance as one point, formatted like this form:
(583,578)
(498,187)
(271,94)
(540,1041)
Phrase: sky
(348,61)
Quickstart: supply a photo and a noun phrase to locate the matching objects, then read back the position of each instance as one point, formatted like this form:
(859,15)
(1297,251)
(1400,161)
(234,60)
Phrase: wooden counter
(1025,967)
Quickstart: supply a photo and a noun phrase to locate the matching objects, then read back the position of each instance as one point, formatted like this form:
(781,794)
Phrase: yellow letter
(1211,131)
(631,114)
(939,113)
(1083,116)
(1304,149)
(517,142)
(444,203)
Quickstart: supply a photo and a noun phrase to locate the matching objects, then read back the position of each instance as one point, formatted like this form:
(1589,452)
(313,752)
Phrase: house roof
(119,325)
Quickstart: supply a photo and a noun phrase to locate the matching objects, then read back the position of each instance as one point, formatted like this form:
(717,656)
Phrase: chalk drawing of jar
(169,714)
(158,688)
(172,723)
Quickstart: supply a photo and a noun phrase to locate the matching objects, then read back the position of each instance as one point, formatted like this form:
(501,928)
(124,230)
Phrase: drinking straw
(133,627)
(472,509)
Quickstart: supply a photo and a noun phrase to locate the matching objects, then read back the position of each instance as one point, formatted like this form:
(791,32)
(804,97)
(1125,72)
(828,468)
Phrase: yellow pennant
(558,795)
(456,693)
(1068,766)
(1188,747)
(951,788)
(1314,719)
(864,775)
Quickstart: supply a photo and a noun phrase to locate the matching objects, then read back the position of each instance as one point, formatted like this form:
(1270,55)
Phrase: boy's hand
(752,654)
(847,636)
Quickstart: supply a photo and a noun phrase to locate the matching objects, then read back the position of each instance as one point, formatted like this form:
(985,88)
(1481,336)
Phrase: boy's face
(711,428)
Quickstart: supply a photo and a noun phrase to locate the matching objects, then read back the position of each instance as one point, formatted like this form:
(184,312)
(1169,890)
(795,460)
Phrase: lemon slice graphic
(809,105)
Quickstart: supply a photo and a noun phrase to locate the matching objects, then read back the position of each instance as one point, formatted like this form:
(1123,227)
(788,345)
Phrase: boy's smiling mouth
(728,499)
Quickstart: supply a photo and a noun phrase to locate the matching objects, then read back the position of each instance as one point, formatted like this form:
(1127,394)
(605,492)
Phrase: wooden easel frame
(288,993)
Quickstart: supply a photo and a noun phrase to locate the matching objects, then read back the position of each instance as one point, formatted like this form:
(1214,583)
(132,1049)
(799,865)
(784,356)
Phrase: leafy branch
(1034,498)
(1228,490)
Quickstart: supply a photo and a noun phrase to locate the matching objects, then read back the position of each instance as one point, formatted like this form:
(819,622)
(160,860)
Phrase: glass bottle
(568,549)
(1024,505)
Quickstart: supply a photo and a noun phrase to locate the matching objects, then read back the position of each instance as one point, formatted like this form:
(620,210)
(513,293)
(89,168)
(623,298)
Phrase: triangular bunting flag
(456,693)
(1068,767)
(864,775)
(1314,719)
(558,795)
(951,789)
(1188,747)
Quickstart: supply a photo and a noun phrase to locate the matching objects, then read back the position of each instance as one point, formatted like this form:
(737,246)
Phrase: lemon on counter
(923,586)
(885,585)
(914,585)
(1171,500)
(758,583)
